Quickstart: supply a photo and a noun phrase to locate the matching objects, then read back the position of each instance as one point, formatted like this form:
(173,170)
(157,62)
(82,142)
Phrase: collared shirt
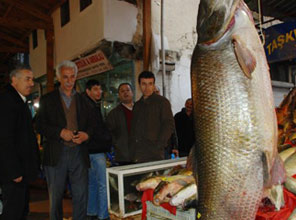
(66,98)
(129,108)
(23,97)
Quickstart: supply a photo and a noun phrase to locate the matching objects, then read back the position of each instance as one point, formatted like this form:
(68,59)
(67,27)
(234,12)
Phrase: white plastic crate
(159,213)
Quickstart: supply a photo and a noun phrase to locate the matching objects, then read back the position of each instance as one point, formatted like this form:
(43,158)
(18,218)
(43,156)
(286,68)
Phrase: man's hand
(66,134)
(18,180)
(80,137)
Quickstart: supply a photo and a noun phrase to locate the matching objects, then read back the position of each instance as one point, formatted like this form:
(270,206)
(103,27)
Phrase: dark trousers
(70,165)
(14,197)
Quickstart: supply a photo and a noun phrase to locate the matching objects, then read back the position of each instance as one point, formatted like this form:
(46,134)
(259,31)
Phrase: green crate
(159,213)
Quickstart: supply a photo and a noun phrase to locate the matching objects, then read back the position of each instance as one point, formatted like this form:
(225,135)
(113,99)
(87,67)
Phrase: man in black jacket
(152,123)
(66,123)
(97,207)
(119,123)
(19,154)
(184,128)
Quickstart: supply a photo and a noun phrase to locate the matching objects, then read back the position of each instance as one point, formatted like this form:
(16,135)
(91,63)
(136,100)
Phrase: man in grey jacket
(119,123)
(152,123)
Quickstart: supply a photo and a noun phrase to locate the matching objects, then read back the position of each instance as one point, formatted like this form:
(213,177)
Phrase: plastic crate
(159,213)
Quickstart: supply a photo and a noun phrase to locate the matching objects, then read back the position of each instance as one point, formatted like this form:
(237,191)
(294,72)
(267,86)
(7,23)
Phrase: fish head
(216,17)
(213,18)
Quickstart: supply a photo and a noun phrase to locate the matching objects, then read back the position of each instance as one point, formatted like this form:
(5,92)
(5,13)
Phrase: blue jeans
(70,164)
(97,189)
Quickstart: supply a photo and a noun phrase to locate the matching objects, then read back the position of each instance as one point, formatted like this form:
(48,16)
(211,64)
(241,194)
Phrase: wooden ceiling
(18,18)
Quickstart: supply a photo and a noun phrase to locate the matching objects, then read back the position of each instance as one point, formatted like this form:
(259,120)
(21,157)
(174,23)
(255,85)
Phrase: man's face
(95,92)
(188,106)
(67,79)
(147,86)
(125,94)
(23,82)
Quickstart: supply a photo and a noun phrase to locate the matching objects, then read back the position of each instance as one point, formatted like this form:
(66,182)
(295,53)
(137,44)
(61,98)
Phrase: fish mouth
(213,27)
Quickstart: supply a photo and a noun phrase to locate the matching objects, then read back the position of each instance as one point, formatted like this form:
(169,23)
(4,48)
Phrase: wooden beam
(57,6)
(12,40)
(28,8)
(146,32)
(50,58)
(5,49)
(12,22)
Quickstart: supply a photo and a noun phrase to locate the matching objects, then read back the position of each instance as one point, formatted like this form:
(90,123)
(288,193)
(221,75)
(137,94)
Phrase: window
(84,4)
(280,71)
(65,13)
(34,39)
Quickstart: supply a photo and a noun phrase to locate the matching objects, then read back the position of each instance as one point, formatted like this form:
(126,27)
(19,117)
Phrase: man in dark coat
(119,123)
(97,207)
(184,128)
(152,123)
(19,154)
(66,123)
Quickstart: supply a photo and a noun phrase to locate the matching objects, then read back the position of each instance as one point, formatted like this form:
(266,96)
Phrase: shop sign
(93,64)
(280,42)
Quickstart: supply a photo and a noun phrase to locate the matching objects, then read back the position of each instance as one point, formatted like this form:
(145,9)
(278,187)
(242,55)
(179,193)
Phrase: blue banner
(280,42)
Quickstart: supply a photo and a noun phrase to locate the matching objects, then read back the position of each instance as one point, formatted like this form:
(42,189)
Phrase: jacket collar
(14,92)
(149,99)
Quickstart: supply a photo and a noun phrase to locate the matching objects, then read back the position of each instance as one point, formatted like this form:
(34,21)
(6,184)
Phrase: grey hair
(66,63)
(17,70)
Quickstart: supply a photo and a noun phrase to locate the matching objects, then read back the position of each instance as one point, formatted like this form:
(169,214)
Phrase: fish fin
(278,171)
(266,169)
(273,175)
(244,57)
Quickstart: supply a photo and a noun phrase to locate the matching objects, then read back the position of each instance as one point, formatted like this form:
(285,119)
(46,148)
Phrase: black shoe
(89,217)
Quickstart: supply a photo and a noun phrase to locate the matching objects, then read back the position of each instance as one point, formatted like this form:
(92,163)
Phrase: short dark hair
(125,83)
(92,82)
(189,99)
(146,75)
(16,71)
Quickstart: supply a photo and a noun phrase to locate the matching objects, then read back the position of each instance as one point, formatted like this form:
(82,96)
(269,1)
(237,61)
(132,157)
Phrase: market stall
(124,199)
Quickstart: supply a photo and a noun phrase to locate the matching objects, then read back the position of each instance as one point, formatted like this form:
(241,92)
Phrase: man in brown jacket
(152,123)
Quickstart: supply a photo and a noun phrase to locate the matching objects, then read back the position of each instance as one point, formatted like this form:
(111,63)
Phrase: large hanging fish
(235,123)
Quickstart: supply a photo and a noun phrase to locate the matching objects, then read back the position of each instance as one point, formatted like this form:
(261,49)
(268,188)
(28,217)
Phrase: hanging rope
(261,34)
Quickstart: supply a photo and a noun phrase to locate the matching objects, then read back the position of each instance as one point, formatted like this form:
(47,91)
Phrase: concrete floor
(39,203)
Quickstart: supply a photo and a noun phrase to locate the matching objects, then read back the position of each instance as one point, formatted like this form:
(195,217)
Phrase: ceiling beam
(22,23)
(12,40)
(28,8)
(57,6)
(5,49)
